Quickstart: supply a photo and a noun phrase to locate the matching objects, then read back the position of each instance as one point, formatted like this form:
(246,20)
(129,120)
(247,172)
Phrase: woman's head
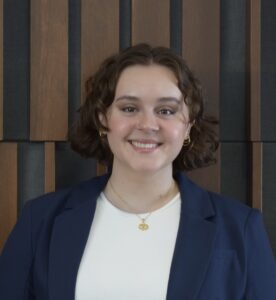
(101,89)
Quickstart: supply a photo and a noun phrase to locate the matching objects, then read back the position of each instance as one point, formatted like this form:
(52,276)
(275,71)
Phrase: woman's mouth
(144,145)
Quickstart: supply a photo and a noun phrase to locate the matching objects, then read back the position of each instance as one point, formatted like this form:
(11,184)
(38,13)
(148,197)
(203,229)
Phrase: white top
(121,262)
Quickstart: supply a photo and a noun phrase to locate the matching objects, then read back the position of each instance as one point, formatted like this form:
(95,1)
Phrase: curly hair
(84,134)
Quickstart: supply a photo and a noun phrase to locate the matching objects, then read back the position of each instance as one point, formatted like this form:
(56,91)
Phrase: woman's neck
(140,193)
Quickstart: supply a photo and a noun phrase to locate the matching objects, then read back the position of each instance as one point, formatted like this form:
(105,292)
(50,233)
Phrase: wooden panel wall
(58,44)
(49,70)
(201,49)
(150,22)
(8,190)
(100,34)
(1,69)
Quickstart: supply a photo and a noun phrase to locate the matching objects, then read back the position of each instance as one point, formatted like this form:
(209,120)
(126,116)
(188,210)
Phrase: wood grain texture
(151,22)
(49,70)
(201,49)
(8,189)
(49,160)
(1,70)
(99,35)
(201,45)
(255,69)
(257,175)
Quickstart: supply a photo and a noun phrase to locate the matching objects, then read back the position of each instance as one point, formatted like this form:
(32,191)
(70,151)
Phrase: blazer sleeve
(16,261)
(261,264)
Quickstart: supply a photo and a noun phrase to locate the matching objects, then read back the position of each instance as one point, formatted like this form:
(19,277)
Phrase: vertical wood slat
(201,49)
(1,70)
(255,69)
(257,175)
(151,22)
(99,38)
(8,189)
(49,70)
(99,35)
(49,167)
(201,45)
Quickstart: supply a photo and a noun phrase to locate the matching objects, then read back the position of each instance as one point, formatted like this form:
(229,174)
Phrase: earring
(102,133)
(187,142)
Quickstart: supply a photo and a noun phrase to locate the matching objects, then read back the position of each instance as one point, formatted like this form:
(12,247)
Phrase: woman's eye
(128,109)
(166,111)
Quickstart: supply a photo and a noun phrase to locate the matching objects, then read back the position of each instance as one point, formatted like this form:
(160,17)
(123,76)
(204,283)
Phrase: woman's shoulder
(231,209)
(221,205)
(53,203)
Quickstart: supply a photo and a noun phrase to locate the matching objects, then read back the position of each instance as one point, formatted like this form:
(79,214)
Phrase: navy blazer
(222,250)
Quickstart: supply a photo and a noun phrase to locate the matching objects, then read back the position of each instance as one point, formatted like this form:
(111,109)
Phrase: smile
(143,145)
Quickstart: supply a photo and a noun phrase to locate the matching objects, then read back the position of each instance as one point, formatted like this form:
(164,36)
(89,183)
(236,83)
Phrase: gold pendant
(143,226)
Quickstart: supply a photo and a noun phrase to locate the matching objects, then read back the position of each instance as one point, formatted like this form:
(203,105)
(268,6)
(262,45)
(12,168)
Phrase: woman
(144,231)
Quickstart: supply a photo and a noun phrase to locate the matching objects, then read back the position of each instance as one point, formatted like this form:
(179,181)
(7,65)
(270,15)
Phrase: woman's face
(148,119)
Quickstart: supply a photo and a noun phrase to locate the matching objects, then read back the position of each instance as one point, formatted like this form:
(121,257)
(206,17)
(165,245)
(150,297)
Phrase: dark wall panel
(233,113)
(234,171)
(16,69)
(49,166)
(269,190)
(125,23)
(30,171)
(208,177)
(268,69)
(254,70)
(255,170)
(176,25)
(71,168)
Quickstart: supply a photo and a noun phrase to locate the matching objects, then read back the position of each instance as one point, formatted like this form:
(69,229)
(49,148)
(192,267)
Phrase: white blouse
(122,262)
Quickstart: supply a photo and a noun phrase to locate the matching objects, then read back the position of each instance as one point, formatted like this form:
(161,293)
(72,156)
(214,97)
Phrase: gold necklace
(143,225)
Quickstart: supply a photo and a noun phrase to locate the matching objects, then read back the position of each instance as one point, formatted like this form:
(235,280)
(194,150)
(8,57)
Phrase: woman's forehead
(150,79)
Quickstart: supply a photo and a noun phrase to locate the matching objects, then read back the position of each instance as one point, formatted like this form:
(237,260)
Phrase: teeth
(142,145)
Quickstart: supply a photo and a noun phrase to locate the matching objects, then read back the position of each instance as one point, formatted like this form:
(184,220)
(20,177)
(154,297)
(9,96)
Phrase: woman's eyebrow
(127,97)
(169,99)
(162,99)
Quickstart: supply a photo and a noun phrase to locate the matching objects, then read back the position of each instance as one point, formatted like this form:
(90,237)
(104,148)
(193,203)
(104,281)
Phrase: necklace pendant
(143,226)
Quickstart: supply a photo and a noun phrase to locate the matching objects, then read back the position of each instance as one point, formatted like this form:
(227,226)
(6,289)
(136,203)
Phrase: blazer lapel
(194,242)
(192,251)
(69,236)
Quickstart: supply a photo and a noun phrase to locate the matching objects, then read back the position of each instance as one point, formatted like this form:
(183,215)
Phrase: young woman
(143,231)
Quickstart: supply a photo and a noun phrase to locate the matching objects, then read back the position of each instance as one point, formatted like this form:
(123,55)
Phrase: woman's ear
(190,125)
(103,119)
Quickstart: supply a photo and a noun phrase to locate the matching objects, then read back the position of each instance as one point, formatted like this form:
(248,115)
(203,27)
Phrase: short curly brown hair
(100,92)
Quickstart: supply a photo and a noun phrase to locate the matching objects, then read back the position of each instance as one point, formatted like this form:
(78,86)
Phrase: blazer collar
(194,243)
(191,256)
(69,236)
(195,199)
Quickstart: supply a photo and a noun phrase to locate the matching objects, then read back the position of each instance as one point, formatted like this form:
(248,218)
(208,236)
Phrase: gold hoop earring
(102,133)
(187,142)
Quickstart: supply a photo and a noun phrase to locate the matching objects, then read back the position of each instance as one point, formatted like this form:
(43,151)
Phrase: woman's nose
(147,122)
